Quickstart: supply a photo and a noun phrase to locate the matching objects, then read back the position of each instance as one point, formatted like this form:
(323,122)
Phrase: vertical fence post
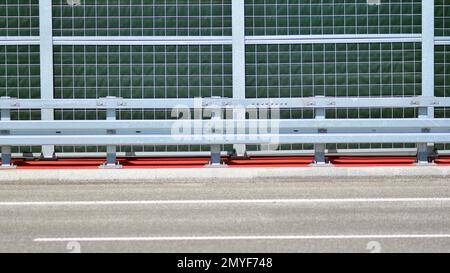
(6,150)
(238,28)
(424,150)
(111,150)
(216,160)
(215,156)
(319,148)
(46,65)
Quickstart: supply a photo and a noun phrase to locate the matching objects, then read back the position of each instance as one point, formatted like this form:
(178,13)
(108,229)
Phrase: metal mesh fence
(142,18)
(143,71)
(20,78)
(19,17)
(272,71)
(442,17)
(362,70)
(19,71)
(442,71)
(307,17)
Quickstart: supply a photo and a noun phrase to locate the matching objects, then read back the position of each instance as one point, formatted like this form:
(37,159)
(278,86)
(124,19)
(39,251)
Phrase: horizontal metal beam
(147,40)
(218,40)
(19,40)
(211,40)
(102,140)
(351,124)
(442,40)
(309,102)
(333,39)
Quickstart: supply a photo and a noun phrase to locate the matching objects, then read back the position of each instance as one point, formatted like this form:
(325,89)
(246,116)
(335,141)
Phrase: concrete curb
(212,175)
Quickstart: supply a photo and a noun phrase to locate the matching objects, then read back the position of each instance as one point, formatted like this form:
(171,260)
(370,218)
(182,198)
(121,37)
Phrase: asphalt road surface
(347,215)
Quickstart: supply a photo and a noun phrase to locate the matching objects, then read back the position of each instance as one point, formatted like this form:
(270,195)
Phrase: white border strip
(237,238)
(237,201)
(327,39)
(153,40)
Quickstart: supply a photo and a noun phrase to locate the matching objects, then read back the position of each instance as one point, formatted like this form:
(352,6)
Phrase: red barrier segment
(272,161)
(358,161)
(200,162)
(372,160)
(164,162)
(58,164)
(166,159)
(443,161)
(83,163)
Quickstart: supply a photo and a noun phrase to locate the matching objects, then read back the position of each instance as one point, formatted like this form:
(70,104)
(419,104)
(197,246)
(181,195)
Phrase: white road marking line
(231,238)
(231,201)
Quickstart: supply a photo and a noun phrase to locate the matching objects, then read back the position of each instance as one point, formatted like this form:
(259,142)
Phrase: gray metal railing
(319,131)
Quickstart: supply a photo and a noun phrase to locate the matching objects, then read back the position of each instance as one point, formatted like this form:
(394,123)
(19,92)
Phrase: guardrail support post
(319,155)
(6,150)
(425,150)
(319,148)
(423,154)
(111,150)
(216,160)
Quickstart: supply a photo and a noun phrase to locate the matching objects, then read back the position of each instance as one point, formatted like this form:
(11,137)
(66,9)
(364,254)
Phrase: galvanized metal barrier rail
(319,131)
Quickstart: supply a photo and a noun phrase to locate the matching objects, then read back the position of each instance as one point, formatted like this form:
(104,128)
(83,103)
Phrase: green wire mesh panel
(19,71)
(20,78)
(142,18)
(140,72)
(442,71)
(371,113)
(19,17)
(143,71)
(312,17)
(442,20)
(336,70)
(442,112)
